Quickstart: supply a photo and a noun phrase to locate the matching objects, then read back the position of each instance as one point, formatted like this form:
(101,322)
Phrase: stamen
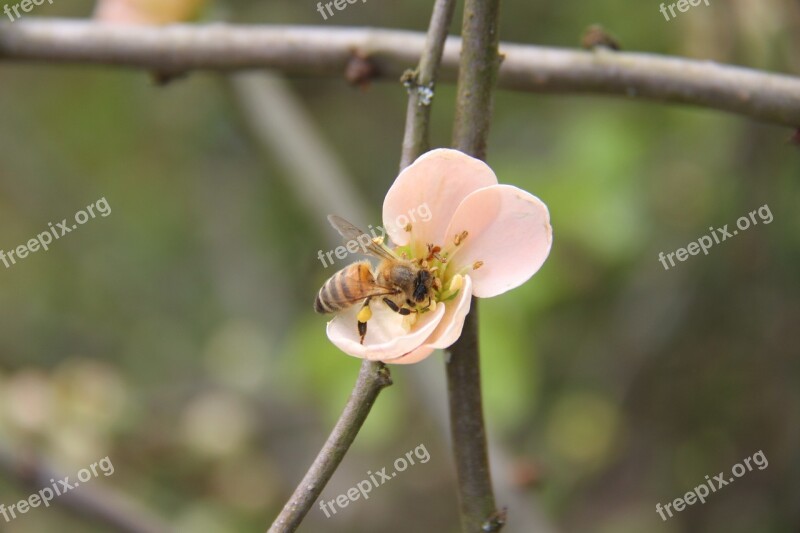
(456,283)
(476,265)
(408,227)
(459,238)
(378,240)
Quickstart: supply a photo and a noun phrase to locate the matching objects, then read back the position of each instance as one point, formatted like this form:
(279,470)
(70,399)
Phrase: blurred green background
(177,336)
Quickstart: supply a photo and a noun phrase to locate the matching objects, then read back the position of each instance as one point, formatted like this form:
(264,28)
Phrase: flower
(146,11)
(481,239)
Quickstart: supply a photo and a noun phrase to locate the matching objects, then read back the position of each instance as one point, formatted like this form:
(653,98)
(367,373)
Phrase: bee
(400,283)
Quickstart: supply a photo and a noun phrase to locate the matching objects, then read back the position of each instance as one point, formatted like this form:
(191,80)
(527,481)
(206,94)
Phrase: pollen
(408,227)
(365,314)
(476,265)
(378,240)
(459,238)
(456,283)
(409,321)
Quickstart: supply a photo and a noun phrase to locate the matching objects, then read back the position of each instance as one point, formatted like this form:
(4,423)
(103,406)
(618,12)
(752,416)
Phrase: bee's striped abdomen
(327,298)
(344,288)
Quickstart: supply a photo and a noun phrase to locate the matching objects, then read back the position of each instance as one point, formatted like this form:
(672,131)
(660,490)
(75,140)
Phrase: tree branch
(105,506)
(311,51)
(372,378)
(477,76)
(421,84)
(281,125)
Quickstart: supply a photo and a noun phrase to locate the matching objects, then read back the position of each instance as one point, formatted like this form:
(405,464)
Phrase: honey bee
(400,283)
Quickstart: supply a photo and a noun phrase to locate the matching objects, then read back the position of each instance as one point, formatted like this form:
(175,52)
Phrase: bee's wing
(352,233)
(362,284)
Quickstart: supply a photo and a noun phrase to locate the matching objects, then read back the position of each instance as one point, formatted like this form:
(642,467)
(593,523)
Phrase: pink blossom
(493,238)
(146,12)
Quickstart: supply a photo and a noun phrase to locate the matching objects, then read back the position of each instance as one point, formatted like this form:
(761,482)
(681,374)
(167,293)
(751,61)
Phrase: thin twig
(372,378)
(282,125)
(311,51)
(430,391)
(421,84)
(101,505)
(477,76)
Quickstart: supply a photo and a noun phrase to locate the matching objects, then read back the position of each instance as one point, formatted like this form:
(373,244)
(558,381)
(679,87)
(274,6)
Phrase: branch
(281,125)
(372,378)
(104,505)
(311,51)
(477,76)
(421,84)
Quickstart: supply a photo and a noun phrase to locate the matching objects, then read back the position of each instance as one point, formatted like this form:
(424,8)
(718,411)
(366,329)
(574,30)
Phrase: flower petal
(120,12)
(428,192)
(386,338)
(509,231)
(149,12)
(414,356)
(449,329)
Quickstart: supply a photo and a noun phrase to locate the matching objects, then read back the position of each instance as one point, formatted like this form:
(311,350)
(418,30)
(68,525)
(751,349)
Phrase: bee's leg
(396,308)
(362,317)
(430,301)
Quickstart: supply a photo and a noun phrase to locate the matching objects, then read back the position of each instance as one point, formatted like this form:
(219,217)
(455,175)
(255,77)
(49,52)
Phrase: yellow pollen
(476,265)
(459,238)
(364,315)
(456,283)
(408,227)
(378,240)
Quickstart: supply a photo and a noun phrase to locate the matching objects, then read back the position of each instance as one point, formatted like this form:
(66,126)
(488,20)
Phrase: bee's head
(422,285)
